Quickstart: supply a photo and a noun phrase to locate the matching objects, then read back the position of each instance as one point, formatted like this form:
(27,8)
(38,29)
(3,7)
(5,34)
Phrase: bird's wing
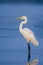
(30,36)
(29,32)
(26,29)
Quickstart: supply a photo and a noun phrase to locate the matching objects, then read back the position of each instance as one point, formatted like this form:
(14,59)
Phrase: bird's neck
(21,25)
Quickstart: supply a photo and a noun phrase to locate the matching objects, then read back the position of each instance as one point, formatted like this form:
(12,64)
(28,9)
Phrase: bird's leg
(28,52)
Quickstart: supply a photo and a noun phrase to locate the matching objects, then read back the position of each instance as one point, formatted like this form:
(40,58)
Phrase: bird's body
(27,33)
(29,36)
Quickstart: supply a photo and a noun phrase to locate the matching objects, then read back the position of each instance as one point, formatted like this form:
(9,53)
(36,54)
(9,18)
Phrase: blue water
(13,47)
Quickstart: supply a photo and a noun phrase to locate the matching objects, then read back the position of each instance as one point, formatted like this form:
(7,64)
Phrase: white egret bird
(27,33)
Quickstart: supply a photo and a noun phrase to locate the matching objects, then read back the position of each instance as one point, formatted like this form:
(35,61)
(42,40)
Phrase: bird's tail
(35,42)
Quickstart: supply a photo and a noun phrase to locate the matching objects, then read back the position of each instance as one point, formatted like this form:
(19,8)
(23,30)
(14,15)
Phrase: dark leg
(28,52)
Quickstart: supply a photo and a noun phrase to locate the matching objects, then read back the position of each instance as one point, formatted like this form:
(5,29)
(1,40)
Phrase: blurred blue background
(13,47)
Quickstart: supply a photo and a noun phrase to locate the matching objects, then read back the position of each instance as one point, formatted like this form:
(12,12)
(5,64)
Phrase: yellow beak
(18,18)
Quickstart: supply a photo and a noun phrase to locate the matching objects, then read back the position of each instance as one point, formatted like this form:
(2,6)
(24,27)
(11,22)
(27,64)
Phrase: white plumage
(27,33)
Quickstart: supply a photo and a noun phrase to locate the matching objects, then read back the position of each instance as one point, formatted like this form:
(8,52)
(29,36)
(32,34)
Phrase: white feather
(27,33)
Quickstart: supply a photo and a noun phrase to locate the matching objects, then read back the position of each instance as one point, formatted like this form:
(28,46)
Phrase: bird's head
(21,18)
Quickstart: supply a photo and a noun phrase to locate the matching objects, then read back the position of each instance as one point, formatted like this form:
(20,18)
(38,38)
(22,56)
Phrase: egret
(27,33)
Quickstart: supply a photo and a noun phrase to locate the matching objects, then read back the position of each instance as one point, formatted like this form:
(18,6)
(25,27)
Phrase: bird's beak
(18,18)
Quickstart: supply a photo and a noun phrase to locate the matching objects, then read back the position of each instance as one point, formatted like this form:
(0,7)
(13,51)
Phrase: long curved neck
(21,25)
